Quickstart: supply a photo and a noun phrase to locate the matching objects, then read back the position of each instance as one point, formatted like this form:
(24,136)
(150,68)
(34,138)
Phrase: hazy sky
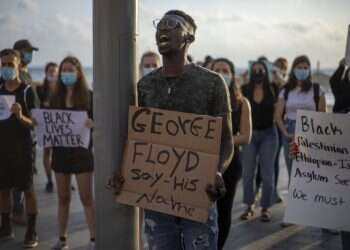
(240,30)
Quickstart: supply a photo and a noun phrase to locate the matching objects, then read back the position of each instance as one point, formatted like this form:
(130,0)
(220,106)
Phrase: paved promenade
(252,235)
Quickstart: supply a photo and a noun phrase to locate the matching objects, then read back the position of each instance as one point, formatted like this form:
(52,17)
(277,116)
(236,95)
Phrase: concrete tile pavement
(251,235)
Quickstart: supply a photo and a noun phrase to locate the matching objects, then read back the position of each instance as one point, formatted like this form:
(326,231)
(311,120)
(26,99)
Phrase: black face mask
(258,77)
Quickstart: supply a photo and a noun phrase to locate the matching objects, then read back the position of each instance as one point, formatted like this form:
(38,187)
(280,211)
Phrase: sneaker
(91,246)
(249,213)
(31,240)
(265,215)
(6,234)
(49,187)
(60,245)
(285,224)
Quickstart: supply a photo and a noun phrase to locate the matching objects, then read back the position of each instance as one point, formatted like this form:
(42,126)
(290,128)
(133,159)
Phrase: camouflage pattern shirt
(197,91)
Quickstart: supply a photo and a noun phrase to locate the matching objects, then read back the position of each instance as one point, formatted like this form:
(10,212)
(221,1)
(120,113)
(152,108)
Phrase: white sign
(6,102)
(319,192)
(347,52)
(61,128)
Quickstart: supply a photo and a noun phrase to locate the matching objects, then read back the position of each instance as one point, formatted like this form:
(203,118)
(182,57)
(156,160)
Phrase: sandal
(265,215)
(249,213)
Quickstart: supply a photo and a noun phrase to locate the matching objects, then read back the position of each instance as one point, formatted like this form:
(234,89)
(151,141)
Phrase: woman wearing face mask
(45,92)
(16,171)
(72,93)
(299,93)
(149,61)
(262,96)
(242,130)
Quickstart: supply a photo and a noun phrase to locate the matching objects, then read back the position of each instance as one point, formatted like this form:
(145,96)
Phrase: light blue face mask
(8,73)
(301,74)
(146,71)
(69,78)
(27,57)
(227,79)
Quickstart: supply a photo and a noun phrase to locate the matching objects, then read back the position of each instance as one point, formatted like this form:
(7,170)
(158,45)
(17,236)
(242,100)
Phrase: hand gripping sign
(61,128)
(169,160)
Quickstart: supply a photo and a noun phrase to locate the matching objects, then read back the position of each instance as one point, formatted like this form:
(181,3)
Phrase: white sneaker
(91,246)
(60,245)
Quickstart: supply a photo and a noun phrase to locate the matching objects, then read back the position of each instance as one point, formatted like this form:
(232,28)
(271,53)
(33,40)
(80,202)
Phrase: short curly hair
(187,17)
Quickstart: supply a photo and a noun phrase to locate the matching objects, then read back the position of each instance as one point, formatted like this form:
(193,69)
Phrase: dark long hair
(46,83)
(293,82)
(81,96)
(267,86)
(235,90)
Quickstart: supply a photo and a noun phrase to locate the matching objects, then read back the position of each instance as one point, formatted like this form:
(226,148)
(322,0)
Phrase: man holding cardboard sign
(186,145)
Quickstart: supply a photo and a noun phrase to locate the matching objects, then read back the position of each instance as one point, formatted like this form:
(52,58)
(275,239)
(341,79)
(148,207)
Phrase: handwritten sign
(347,52)
(6,102)
(319,192)
(61,128)
(169,160)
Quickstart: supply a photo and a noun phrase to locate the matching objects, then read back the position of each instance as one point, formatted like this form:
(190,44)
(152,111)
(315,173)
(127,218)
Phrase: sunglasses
(170,22)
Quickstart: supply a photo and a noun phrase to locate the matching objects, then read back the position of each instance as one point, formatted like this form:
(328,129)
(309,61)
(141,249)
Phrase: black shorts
(72,160)
(16,171)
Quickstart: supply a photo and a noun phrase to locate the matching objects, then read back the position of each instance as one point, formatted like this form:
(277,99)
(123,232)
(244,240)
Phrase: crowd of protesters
(259,115)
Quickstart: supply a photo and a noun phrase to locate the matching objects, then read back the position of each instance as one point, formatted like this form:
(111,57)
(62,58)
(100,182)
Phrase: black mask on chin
(258,77)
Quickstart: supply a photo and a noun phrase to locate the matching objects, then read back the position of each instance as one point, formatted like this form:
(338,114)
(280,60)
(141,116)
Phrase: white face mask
(146,71)
(227,79)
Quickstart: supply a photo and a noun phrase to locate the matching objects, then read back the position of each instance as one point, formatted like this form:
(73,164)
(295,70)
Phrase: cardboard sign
(169,160)
(319,192)
(61,128)
(6,102)
(347,52)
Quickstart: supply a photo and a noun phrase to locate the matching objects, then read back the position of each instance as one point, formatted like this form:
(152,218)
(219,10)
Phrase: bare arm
(245,131)
(279,110)
(322,105)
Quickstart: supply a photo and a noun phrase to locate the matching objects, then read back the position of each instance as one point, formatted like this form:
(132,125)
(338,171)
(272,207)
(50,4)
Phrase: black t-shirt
(14,136)
(263,112)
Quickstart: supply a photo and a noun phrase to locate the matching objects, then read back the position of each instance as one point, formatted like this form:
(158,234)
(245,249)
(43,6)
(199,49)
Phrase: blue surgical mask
(69,78)
(27,57)
(51,78)
(146,71)
(227,78)
(8,73)
(301,74)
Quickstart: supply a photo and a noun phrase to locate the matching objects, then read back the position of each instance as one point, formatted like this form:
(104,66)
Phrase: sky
(239,30)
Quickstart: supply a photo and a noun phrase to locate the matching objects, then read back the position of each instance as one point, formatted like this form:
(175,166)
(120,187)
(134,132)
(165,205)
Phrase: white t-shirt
(299,100)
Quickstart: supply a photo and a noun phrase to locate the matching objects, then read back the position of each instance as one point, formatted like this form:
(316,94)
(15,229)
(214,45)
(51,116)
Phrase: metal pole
(114,39)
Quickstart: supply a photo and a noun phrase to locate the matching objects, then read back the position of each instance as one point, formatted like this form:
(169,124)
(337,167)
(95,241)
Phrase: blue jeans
(173,233)
(262,149)
(290,126)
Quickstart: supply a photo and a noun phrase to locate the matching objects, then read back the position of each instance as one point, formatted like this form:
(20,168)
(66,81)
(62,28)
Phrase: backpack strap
(316,88)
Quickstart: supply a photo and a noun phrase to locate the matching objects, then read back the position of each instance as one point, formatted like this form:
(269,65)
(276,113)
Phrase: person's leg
(267,151)
(162,231)
(199,236)
(63,182)
(345,237)
(277,164)
(224,205)
(31,238)
(85,186)
(249,154)
(18,208)
(5,208)
(47,165)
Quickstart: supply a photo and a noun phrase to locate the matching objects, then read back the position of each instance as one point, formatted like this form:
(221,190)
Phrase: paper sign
(319,192)
(61,128)
(169,160)
(6,102)
(347,53)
